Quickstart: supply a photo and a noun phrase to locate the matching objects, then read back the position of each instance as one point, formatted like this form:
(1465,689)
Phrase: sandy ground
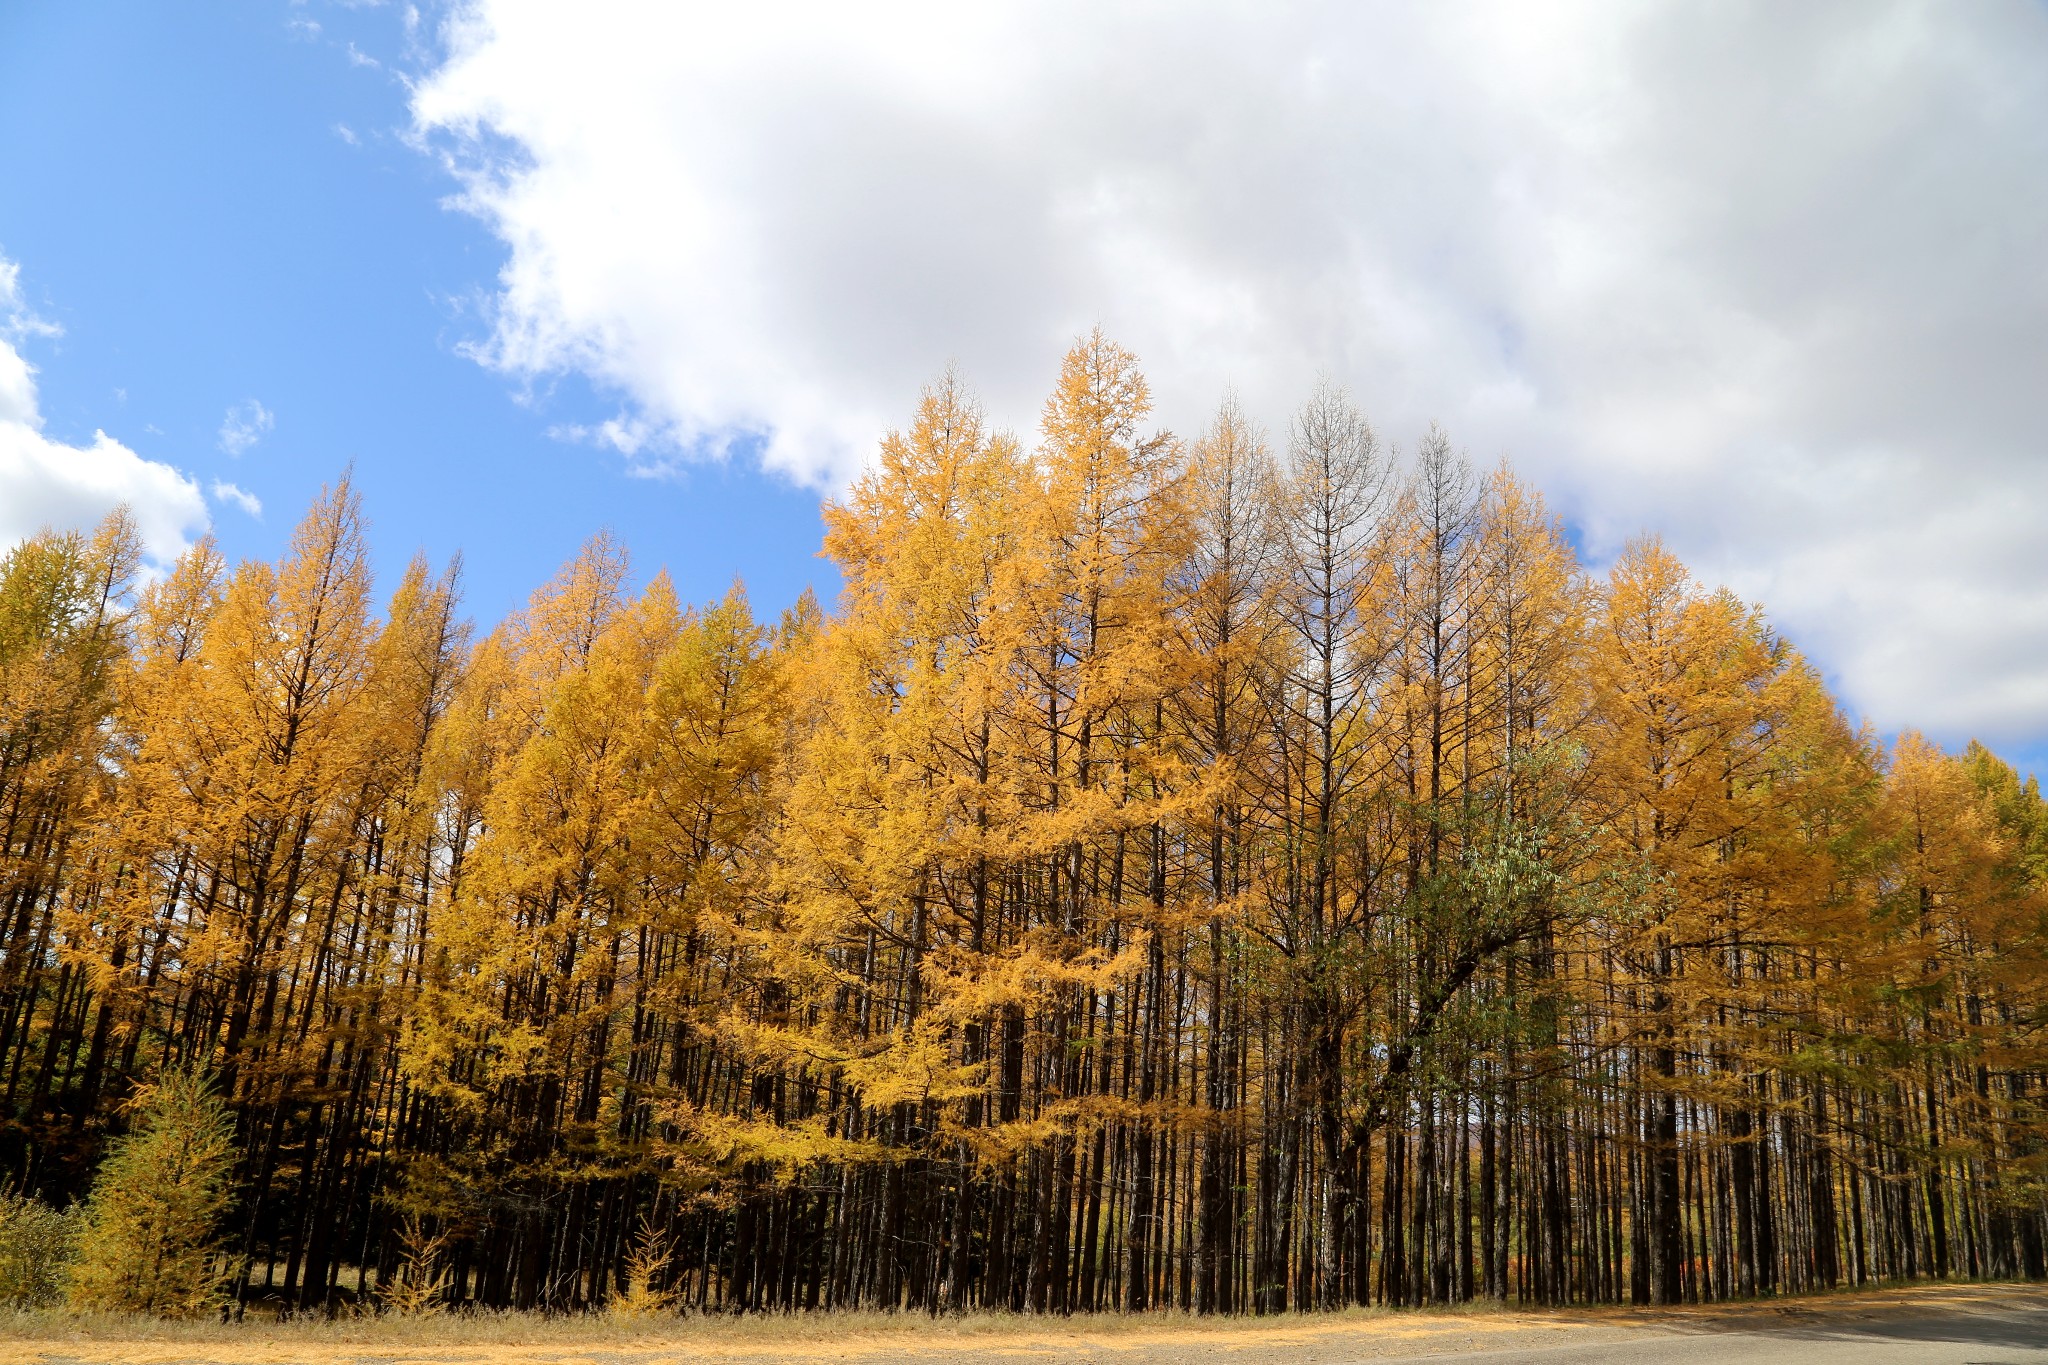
(1962,1324)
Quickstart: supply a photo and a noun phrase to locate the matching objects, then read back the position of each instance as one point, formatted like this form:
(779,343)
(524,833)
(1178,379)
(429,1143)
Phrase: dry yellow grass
(46,1338)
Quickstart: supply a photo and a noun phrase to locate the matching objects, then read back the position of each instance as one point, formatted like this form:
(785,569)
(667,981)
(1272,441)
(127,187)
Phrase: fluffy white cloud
(44,482)
(1769,282)
(226,492)
(246,423)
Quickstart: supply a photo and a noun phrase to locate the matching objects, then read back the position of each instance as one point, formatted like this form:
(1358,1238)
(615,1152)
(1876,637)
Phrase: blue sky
(1766,283)
(179,199)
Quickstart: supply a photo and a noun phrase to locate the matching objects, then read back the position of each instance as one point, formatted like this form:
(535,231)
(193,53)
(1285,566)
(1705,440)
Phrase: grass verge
(50,1337)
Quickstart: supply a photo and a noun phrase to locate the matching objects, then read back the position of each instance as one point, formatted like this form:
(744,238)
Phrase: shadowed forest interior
(1227,872)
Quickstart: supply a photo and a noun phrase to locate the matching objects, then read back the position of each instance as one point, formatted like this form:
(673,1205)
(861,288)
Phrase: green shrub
(37,1246)
(148,1241)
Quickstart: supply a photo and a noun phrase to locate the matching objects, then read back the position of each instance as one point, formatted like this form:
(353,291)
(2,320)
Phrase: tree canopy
(1234,873)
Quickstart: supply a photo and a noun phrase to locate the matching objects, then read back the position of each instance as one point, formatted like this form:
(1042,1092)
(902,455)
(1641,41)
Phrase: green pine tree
(149,1243)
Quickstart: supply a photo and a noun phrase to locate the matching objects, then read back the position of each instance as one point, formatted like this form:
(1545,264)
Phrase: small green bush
(148,1241)
(37,1245)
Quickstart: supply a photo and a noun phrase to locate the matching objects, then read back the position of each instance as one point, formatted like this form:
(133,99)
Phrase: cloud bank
(1767,281)
(45,482)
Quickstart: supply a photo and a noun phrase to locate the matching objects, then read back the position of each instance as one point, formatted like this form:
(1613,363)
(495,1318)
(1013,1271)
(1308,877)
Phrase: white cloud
(17,319)
(48,483)
(17,389)
(347,134)
(245,424)
(223,491)
(17,323)
(44,482)
(1767,281)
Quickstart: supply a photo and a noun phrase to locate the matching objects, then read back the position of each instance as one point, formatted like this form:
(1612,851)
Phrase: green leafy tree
(149,1242)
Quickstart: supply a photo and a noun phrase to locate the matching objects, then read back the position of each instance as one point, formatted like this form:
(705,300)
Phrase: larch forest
(1229,873)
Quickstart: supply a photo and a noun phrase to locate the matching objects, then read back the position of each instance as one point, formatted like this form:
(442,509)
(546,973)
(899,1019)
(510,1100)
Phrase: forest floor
(1965,1324)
